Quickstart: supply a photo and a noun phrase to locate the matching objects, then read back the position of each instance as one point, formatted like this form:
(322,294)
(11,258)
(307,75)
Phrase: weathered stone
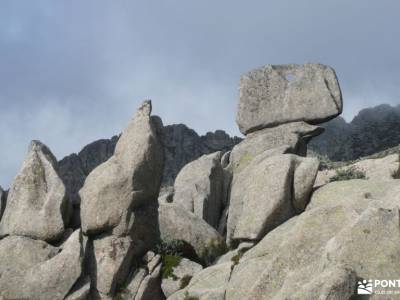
(139,274)
(134,284)
(21,253)
(176,223)
(129,179)
(48,280)
(183,273)
(235,254)
(370,245)
(37,204)
(267,193)
(287,138)
(111,263)
(274,95)
(350,245)
(199,188)
(303,182)
(207,284)
(357,194)
(262,271)
(81,290)
(150,288)
(333,283)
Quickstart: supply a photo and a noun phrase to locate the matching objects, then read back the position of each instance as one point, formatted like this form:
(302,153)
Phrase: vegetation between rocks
(214,249)
(185,281)
(348,174)
(169,262)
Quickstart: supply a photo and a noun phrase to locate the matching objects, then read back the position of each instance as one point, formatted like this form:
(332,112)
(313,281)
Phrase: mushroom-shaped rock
(37,204)
(199,188)
(51,279)
(279,94)
(128,180)
(269,191)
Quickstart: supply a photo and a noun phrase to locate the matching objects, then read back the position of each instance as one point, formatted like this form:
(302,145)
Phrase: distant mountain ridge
(182,145)
(372,130)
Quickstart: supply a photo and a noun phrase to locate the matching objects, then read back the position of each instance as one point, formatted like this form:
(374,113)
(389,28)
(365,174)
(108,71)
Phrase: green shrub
(235,259)
(185,280)
(348,174)
(169,262)
(214,249)
(173,247)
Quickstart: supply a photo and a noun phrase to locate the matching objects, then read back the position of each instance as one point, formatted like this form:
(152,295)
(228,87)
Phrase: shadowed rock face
(3,199)
(37,204)
(199,188)
(274,95)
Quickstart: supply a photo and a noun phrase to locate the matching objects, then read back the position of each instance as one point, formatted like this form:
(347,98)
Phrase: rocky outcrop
(37,205)
(182,274)
(111,263)
(128,180)
(119,204)
(182,145)
(176,223)
(145,281)
(269,191)
(274,95)
(199,188)
(39,277)
(210,283)
(21,253)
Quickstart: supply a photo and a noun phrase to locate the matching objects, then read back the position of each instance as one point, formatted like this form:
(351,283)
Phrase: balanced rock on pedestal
(286,138)
(274,95)
(37,205)
(129,179)
(269,191)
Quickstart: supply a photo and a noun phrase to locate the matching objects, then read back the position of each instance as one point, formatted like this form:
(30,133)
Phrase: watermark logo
(365,287)
(379,287)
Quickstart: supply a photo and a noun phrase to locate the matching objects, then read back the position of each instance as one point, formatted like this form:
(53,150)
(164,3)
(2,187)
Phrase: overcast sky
(72,71)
